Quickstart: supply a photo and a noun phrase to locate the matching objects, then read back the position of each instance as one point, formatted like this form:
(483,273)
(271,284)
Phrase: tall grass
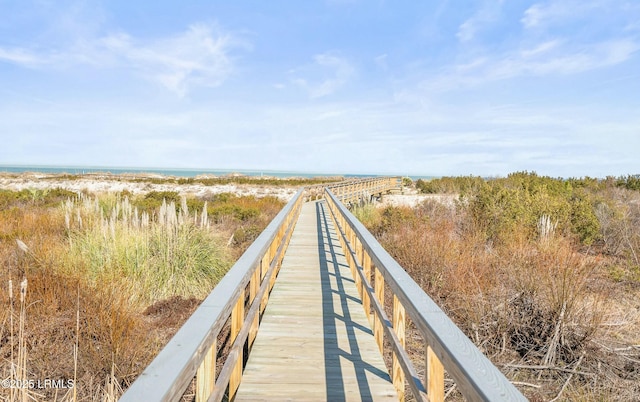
(110,280)
(172,253)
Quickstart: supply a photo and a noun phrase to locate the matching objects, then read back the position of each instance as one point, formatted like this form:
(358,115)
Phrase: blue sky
(335,86)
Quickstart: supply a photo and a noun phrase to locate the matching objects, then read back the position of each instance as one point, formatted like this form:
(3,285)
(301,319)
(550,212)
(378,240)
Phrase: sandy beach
(413,199)
(142,184)
(96,184)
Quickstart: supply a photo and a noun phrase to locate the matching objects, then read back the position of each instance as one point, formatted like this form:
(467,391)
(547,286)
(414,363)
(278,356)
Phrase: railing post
(206,374)
(366,269)
(273,248)
(434,376)
(399,328)
(378,330)
(253,291)
(264,267)
(357,246)
(237,317)
(272,279)
(359,251)
(352,242)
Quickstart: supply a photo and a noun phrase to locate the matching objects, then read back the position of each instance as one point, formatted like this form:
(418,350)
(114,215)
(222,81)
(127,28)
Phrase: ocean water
(79,170)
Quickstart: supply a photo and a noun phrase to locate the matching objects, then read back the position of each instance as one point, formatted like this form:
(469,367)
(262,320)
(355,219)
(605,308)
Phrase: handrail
(193,350)
(360,189)
(446,345)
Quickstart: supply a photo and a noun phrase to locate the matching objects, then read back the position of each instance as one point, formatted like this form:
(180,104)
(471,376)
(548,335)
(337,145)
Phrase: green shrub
(630,182)
(153,200)
(584,222)
(244,235)
(502,207)
(367,214)
(450,185)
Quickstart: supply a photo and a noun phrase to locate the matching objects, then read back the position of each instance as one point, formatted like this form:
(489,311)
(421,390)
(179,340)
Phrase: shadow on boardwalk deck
(315,342)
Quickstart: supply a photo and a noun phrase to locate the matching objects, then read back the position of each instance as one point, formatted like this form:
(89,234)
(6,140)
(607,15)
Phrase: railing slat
(378,322)
(206,375)
(237,318)
(434,376)
(254,288)
(366,269)
(399,328)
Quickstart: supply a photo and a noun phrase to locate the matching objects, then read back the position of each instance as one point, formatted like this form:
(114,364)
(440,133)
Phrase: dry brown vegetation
(107,280)
(542,276)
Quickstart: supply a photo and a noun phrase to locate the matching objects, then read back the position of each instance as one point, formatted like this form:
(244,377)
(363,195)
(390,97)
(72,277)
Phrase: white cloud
(466,31)
(533,15)
(539,49)
(580,60)
(21,56)
(381,61)
(547,58)
(375,137)
(541,15)
(198,57)
(335,71)
(488,13)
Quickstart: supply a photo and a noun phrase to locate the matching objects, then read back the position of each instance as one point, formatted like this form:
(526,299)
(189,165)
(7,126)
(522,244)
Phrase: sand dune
(105,184)
(98,183)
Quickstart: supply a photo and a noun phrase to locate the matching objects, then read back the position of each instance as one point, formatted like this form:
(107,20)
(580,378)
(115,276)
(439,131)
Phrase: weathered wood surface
(315,341)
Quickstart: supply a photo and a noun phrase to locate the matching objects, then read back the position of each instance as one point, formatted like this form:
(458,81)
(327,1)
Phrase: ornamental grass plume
(171,253)
(22,246)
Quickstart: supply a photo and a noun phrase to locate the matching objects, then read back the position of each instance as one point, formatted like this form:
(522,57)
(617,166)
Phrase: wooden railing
(352,191)
(235,305)
(361,190)
(445,346)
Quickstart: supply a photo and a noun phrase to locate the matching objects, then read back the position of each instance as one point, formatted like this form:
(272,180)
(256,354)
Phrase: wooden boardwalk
(314,341)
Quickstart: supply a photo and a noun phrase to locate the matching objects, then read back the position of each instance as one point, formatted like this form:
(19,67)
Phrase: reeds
(94,264)
(18,380)
(173,253)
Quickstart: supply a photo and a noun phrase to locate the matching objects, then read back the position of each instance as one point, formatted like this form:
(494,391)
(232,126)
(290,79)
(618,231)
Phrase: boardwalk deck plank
(314,341)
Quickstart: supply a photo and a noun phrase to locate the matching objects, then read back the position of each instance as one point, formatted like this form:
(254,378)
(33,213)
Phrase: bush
(450,185)
(630,182)
(34,197)
(516,204)
(154,199)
